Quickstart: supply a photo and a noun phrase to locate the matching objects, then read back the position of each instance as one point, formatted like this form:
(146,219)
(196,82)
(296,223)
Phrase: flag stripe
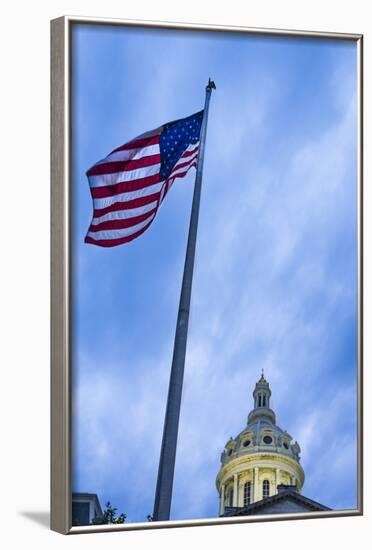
(112,179)
(107,243)
(183,164)
(123,197)
(190,151)
(131,154)
(134,203)
(122,223)
(139,143)
(182,173)
(120,233)
(124,214)
(124,187)
(124,166)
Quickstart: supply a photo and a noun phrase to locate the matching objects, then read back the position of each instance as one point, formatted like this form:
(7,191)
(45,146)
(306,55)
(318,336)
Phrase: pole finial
(211,85)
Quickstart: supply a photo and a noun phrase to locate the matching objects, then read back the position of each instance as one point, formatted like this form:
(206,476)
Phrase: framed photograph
(206,296)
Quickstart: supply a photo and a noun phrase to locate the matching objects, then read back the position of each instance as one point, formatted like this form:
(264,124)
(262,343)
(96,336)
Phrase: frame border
(61,222)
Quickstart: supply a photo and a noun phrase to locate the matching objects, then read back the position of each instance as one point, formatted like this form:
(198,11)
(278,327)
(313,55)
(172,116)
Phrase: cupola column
(222,499)
(277,479)
(235,493)
(256,495)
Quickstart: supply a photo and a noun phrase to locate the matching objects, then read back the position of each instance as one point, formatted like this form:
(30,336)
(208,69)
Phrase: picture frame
(62,228)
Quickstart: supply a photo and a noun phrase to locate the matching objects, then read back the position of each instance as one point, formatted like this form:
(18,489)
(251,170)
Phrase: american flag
(129,185)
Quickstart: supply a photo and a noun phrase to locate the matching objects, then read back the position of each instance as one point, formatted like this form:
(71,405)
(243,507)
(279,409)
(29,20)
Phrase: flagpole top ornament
(211,85)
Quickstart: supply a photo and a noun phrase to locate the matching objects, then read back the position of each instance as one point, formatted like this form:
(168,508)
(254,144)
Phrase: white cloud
(265,295)
(257,268)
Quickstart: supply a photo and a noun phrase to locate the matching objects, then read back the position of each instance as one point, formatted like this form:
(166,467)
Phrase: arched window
(231,494)
(264,401)
(259,400)
(247,493)
(265,488)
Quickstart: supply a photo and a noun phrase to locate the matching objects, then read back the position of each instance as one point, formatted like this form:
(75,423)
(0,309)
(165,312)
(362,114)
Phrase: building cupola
(261,397)
(260,459)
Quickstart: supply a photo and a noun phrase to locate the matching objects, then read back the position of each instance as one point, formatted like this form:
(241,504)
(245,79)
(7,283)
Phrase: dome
(261,435)
(261,452)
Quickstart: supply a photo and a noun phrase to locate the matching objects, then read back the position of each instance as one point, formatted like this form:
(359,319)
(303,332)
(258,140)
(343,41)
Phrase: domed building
(260,469)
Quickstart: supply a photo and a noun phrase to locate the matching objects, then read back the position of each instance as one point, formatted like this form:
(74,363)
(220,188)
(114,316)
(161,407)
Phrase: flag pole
(164,486)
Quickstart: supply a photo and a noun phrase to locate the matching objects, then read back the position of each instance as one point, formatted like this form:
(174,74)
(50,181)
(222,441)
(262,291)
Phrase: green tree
(109,516)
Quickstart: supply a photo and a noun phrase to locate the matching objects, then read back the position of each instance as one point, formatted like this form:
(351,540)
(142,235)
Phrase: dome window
(246,443)
(247,493)
(285,445)
(265,488)
(229,452)
(267,439)
(229,498)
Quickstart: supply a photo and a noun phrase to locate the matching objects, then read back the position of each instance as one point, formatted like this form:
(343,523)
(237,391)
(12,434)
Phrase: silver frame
(61,487)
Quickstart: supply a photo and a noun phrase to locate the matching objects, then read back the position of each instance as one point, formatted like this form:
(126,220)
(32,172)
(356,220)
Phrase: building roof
(285,494)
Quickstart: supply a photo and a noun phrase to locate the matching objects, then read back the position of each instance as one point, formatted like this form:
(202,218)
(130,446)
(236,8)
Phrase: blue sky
(275,271)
